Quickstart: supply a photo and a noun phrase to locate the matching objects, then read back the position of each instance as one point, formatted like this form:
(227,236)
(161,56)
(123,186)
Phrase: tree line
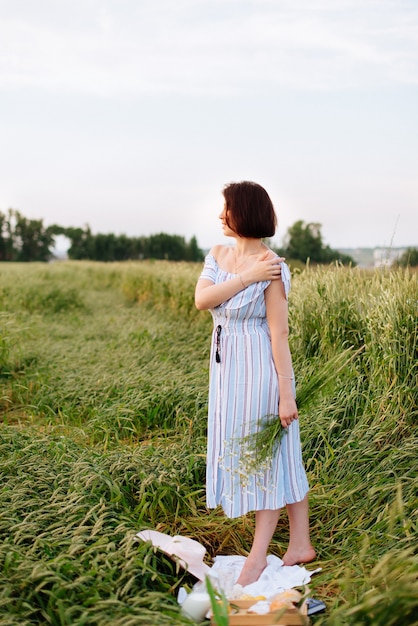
(111,247)
(23,239)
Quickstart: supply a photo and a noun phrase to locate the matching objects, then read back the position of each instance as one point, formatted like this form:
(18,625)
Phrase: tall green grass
(103,387)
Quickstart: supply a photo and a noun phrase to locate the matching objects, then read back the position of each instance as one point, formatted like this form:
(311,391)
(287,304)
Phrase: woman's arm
(277,318)
(208,295)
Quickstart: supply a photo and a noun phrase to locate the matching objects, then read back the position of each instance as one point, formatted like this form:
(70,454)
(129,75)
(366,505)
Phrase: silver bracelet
(242,282)
(288,377)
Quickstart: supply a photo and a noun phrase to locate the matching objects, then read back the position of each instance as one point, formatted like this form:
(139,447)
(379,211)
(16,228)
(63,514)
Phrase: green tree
(409,258)
(32,241)
(81,243)
(169,247)
(304,242)
(193,252)
(6,238)
(125,248)
(103,247)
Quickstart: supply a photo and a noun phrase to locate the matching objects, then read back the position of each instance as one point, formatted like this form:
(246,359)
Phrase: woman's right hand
(266,267)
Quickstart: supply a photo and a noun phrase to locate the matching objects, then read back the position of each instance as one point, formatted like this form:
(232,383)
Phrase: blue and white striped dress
(243,389)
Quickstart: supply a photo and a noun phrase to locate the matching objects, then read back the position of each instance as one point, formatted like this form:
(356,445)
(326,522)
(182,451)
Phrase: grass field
(103,396)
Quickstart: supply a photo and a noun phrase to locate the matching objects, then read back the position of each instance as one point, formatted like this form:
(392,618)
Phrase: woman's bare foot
(295,557)
(251,572)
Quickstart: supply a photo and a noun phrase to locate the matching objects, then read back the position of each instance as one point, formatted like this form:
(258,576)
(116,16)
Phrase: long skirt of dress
(243,390)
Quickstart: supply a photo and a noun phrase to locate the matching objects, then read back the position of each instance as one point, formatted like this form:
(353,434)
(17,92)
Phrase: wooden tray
(240,617)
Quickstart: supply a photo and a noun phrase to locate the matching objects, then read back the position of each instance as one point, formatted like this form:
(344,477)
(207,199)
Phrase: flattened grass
(103,387)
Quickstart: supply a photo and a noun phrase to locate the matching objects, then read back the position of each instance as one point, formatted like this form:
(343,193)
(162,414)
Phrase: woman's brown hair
(249,210)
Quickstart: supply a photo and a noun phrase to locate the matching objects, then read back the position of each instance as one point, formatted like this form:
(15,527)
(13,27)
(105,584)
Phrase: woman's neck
(246,246)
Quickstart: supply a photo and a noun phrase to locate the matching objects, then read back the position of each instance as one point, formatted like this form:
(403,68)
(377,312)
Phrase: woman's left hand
(288,412)
(265,267)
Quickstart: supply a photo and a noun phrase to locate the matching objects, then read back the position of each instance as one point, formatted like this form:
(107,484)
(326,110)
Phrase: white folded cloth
(275,578)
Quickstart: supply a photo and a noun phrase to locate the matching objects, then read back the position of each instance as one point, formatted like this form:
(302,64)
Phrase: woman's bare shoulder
(271,253)
(219,251)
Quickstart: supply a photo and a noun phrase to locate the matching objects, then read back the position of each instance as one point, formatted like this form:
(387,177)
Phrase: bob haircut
(249,210)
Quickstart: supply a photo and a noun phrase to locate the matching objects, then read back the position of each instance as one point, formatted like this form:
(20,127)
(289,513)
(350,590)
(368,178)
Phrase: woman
(245,288)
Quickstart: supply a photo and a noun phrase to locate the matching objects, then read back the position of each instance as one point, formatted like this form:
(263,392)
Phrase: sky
(131,115)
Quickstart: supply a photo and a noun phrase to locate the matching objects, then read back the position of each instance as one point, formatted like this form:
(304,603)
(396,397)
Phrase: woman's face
(225,217)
